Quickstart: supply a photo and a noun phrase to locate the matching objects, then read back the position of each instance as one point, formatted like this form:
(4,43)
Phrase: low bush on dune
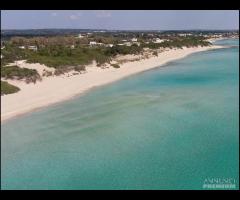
(47,73)
(7,88)
(15,72)
(65,69)
(155,53)
(62,70)
(80,68)
(115,65)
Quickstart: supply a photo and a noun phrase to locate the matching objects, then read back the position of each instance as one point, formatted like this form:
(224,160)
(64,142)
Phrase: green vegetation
(66,69)
(63,52)
(15,72)
(179,42)
(80,68)
(12,53)
(7,88)
(62,70)
(115,65)
(60,56)
(124,50)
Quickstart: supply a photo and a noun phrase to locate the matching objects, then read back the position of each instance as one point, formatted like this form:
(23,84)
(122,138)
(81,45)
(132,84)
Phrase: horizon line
(2,29)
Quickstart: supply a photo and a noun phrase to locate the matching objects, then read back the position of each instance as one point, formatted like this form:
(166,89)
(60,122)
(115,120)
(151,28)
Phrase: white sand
(55,89)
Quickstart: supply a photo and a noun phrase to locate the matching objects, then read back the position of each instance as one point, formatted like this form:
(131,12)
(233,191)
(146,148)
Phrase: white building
(127,44)
(34,48)
(21,47)
(109,45)
(72,46)
(134,39)
(157,40)
(150,34)
(92,43)
(137,43)
(80,36)
(184,34)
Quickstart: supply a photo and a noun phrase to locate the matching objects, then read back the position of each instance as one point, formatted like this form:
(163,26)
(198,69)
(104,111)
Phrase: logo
(219,183)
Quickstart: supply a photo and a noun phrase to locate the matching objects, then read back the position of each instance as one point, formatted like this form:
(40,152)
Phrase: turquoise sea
(168,128)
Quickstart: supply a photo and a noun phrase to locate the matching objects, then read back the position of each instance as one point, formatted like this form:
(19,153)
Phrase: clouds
(54,14)
(67,15)
(103,14)
(76,15)
(119,19)
(73,17)
(97,14)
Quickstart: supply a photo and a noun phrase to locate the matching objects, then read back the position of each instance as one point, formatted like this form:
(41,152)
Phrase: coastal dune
(58,88)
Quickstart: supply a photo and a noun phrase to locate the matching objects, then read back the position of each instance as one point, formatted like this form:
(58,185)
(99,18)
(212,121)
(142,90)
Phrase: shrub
(7,88)
(47,73)
(15,72)
(101,59)
(115,65)
(155,53)
(62,70)
(80,68)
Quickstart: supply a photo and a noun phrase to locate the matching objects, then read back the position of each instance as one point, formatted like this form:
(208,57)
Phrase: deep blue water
(167,128)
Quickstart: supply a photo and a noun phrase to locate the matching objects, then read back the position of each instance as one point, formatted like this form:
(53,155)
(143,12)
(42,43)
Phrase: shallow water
(167,128)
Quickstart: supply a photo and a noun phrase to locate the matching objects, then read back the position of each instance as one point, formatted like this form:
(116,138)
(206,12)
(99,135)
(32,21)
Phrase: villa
(184,34)
(127,43)
(157,40)
(134,39)
(92,43)
(80,36)
(109,45)
(34,48)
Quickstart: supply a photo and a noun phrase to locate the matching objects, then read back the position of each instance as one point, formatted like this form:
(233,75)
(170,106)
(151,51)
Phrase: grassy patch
(7,88)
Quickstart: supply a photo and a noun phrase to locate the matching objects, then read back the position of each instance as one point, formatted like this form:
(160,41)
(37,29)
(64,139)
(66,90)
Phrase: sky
(120,19)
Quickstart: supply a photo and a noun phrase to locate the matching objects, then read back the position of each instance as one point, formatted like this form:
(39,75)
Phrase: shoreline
(55,90)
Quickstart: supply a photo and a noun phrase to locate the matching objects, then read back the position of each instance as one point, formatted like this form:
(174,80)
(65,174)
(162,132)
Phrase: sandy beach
(59,88)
